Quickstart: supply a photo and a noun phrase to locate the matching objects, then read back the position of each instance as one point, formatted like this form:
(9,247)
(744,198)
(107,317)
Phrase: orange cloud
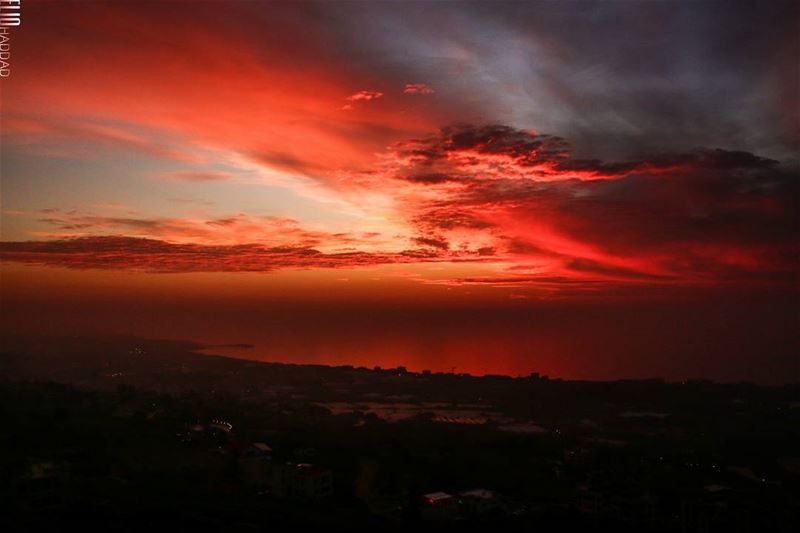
(417,88)
(230,230)
(364,95)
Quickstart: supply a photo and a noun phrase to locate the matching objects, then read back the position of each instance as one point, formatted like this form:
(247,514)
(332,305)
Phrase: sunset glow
(306,180)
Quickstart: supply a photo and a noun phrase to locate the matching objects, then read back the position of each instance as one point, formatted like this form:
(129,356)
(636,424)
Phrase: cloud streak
(417,88)
(515,197)
(198,176)
(157,256)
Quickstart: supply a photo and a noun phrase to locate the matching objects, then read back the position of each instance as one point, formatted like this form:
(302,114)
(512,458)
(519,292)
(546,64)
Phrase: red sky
(449,188)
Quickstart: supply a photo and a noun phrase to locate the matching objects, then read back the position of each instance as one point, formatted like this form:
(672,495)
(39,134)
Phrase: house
(263,448)
(479,503)
(43,486)
(302,481)
(439,506)
(631,509)
(255,464)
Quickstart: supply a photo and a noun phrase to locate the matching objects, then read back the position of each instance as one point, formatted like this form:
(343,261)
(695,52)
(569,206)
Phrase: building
(301,481)
(255,464)
(439,506)
(479,503)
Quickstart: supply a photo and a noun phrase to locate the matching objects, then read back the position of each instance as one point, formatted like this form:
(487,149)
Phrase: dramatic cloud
(519,198)
(707,216)
(629,199)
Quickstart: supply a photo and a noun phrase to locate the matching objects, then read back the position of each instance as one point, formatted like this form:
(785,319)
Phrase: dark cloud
(286,162)
(708,214)
(151,255)
(433,242)
(431,178)
(527,147)
(74,220)
(449,218)
(530,149)
(230,221)
(594,267)
(617,81)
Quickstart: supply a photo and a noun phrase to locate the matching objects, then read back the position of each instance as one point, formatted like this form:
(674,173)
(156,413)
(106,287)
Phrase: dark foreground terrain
(127,434)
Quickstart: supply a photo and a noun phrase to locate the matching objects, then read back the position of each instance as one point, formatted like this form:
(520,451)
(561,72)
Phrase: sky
(592,190)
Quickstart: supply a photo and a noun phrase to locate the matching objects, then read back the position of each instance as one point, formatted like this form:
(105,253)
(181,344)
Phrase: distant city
(123,433)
